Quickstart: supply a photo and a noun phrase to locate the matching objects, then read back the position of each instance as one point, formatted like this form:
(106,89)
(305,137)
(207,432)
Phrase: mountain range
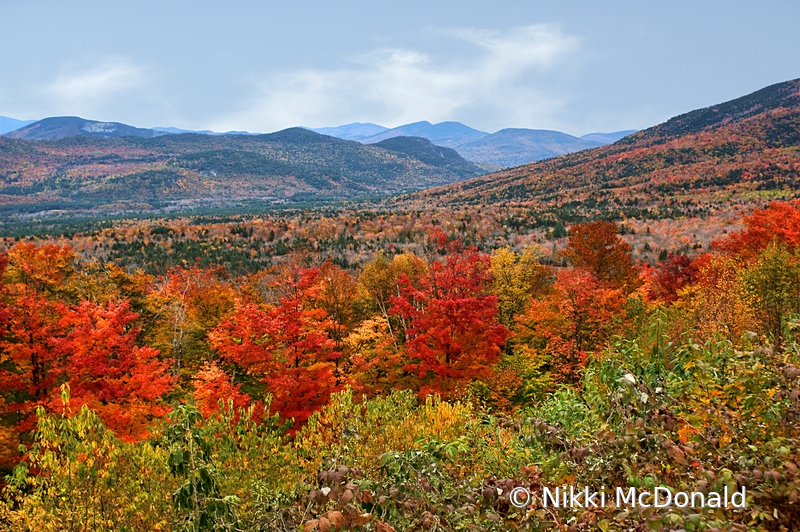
(723,158)
(504,148)
(507,147)
(149,171)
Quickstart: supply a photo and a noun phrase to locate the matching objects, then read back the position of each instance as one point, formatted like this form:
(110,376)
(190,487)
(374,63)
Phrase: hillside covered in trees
(260,401)
(106,175)
(742,151)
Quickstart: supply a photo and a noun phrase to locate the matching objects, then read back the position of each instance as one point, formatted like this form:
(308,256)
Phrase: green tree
(772,285)
(198,497)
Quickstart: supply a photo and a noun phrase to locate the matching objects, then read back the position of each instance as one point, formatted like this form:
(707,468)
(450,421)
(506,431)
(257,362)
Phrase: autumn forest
(626,316)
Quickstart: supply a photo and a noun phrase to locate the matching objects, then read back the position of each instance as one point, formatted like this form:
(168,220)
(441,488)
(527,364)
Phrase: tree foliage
(412,393)
(453,333)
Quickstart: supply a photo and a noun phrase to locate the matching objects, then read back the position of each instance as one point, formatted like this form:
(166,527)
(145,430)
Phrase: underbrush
(687,417)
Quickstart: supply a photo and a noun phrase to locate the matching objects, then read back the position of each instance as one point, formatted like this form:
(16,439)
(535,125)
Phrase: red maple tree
(780,222)
(453,335)
(286,346)
(107,371)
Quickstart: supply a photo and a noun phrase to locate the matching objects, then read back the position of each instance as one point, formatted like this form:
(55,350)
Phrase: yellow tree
(516,279)
(381,280)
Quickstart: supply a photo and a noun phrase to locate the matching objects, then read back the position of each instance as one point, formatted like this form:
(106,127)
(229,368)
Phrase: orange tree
(596,247)
(107,371)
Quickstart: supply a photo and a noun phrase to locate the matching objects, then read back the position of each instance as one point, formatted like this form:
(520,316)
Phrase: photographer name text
(659,497)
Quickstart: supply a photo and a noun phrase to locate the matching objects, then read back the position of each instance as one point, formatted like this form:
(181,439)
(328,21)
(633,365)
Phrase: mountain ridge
(517,146)
(87,172)
(499,149)
(449,134)
(715,158)
(783,94)
(67,126)
(353,131)
(490,150)
(608,138)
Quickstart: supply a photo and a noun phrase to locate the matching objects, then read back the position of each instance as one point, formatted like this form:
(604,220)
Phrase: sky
(261,66)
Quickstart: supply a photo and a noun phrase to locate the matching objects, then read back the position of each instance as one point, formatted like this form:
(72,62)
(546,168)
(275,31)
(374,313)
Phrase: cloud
(520,49)
(498,76)
(89,91)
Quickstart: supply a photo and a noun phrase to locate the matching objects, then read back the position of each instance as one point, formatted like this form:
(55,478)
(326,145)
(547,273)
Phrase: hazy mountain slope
(8,124)
(507,147)
(779,95)
(427,152)
(448,134)
(734,153)
(608,138)
(179,131)
(513,147)
(67,126)
(355,131)
(81,171)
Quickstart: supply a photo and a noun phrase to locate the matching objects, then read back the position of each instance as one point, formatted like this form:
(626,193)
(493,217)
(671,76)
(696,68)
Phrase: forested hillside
(261,401)
(743,151)
(102,175)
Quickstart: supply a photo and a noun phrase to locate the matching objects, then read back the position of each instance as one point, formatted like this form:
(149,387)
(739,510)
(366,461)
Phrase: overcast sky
(571,66)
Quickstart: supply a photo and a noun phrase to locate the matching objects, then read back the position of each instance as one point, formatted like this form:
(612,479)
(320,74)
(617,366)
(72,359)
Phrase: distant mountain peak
(448,134)
(354,131)
(179,131)
(7,124)
(608,138)
(515,146)
(426,123)
(69,126)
